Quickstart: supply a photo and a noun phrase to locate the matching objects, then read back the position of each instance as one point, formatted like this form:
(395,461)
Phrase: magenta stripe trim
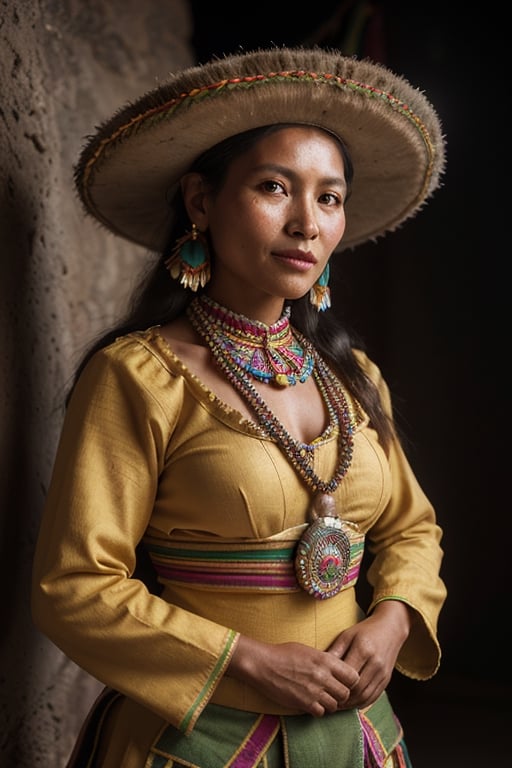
(227,578)
(254,748)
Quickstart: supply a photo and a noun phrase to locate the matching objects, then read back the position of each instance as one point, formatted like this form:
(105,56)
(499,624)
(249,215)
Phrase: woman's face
(277,219)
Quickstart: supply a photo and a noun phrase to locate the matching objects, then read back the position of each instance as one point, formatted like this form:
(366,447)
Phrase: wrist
(397,612)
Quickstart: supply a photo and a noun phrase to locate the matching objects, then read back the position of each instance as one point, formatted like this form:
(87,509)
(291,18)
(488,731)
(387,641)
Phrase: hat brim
(129,171)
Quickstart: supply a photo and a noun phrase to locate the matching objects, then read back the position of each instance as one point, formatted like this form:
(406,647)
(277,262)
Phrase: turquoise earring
(320,293)
(190,260)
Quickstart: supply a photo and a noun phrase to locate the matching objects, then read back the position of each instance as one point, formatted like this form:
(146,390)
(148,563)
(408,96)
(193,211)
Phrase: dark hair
(159,299)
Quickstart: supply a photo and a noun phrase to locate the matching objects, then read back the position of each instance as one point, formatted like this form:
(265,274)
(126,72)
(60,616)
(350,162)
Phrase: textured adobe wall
(64,67)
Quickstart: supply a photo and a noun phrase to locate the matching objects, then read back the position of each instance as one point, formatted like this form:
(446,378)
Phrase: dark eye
(272,186)
(331,199)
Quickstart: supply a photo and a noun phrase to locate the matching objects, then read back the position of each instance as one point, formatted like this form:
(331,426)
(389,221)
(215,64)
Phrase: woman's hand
(371,648)
(295,675)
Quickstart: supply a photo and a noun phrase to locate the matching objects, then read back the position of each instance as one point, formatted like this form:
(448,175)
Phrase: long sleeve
(101,497)
(405,544)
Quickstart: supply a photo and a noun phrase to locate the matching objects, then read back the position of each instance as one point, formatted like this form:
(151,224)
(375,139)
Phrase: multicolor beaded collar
(271,354)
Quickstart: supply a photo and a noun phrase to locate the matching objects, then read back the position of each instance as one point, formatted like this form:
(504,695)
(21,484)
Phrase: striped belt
(252,565)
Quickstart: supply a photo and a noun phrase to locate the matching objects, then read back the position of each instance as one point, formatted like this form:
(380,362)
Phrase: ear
(194,198)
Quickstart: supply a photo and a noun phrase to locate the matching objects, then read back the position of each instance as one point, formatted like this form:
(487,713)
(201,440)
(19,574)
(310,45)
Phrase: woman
(228,452)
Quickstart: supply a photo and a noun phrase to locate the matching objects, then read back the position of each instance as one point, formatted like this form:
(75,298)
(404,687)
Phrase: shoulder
(136,354)
(374,374)
(136,367)
(370,368)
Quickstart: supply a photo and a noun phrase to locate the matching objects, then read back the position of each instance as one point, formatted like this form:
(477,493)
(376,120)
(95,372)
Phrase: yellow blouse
(148,452)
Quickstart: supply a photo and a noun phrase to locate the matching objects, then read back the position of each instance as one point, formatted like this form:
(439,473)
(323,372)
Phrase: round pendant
(323,557)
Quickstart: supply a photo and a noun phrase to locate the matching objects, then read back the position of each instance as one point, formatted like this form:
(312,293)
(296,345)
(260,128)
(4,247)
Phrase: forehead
(300,146)
(299,134)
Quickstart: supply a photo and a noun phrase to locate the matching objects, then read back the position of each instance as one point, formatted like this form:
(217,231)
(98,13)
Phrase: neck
(265,310)
(242,323)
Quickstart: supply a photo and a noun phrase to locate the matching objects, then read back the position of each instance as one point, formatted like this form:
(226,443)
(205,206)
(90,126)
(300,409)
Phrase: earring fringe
(320,293)
(190,260)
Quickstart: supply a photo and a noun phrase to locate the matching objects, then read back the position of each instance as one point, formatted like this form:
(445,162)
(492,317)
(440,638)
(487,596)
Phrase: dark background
(428,300)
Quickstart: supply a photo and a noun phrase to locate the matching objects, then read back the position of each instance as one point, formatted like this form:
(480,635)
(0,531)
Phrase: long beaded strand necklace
(323,552)
(268,353)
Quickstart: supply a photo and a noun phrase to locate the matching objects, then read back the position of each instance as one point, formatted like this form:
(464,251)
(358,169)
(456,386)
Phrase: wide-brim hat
(129,170)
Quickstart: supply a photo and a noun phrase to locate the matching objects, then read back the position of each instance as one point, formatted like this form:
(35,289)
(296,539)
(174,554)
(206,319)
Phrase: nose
(303,222)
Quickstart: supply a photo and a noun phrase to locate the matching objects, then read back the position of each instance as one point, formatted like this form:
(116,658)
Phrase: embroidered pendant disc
(323,557)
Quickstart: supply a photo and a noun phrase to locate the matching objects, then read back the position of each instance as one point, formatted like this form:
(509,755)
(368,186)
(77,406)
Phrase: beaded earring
(320,293)
(190,260)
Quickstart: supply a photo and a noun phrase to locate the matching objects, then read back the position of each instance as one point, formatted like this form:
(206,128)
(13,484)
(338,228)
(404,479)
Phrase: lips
(297,258)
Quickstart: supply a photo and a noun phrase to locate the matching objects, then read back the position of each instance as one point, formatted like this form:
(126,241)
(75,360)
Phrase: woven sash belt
(261,565)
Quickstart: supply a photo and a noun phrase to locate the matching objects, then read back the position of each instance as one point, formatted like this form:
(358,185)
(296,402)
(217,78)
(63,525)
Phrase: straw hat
(129,170)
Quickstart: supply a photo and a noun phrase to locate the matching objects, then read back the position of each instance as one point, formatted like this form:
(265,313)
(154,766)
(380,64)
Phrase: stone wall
(64,67)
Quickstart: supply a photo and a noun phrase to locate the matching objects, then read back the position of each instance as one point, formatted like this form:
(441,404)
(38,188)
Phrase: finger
(367,692)
(316,709)
(347,674)
(324,703)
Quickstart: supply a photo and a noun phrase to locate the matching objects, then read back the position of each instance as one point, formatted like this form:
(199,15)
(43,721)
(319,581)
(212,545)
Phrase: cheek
(247,210)
(227,224)
(261,212)
(258,221)
(335,230)
(241,233)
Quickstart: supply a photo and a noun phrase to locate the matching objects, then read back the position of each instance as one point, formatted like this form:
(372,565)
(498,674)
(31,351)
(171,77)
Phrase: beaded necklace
(269,353)
(323,552)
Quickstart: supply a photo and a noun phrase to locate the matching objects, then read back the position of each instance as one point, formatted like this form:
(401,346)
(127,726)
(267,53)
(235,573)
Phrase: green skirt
(230,738)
